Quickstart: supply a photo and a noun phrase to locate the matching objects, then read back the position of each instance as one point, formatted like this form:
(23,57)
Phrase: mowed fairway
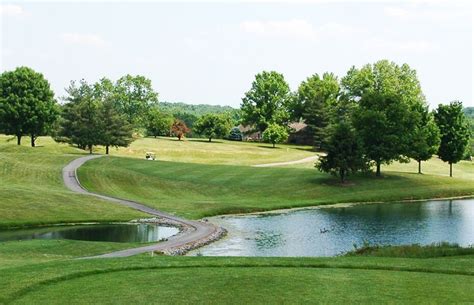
(196,190)
(32,190)
(216,152)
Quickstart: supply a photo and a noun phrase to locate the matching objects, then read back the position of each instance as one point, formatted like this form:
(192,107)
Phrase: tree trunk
(273,144)
(342,175)
(90,149)
(18,139)
(210,139)
(419,166)
(33,141)
(378,173)
(450,169)
(106,149)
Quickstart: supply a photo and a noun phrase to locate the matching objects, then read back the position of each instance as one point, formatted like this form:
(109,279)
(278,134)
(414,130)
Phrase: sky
(209,52)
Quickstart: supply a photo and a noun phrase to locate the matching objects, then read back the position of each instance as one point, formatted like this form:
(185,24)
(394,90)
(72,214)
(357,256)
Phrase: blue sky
(210,52)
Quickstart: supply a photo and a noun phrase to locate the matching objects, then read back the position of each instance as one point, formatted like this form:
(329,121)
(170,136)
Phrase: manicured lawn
(217,152)
(197,190)
(204,280)
(32,190)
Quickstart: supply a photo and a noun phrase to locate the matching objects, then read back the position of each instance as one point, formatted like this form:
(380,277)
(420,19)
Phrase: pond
(331,231)
(124,232)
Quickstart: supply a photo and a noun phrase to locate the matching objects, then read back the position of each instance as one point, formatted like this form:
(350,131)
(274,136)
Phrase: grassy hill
(32,190)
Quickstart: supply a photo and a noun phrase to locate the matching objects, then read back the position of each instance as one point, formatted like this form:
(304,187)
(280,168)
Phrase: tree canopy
(134,97)
(387,96)
(275,134)
(454,130)
(27,104)
(179,129)
(158,123)
(315,98)
(213,126)
(267,101)
(344,151)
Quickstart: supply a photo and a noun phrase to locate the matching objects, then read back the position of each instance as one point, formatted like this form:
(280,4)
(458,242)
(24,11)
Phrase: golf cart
(150,156)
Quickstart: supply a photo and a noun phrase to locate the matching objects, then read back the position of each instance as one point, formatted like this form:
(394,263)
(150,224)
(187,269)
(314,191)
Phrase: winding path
(198,232)
(308,159)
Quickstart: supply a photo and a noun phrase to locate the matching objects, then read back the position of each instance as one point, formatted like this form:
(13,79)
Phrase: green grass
(19,253)
(217,152)
(32,190)
(197,190)
(199,280)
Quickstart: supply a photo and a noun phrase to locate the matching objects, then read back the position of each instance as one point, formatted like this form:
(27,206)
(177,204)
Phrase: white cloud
(12,10)
(296,28)
(83,39)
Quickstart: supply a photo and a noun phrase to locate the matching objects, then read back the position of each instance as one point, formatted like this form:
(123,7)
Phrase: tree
(275,134)
(267,102)
(179,129)
(213,126)
(425,139)
(314,101)
(114,129)
(235,134)
(387,96)
(454,132)
(27,104)
(344,151)
(80,121)
(158,123)
(134,97)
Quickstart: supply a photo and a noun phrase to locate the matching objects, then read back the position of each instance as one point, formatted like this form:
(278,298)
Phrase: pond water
(331,231)
(97,232)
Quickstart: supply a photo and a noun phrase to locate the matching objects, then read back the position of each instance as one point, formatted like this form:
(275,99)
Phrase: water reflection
(330,231)
(108,232)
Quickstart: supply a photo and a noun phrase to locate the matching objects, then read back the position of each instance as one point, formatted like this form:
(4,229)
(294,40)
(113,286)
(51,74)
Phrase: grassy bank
(32,190)
(197,190)
(204,280)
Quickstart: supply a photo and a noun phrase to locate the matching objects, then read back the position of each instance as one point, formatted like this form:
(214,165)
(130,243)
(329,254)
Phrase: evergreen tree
(344,151)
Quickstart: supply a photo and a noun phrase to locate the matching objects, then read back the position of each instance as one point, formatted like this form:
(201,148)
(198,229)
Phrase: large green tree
(454,130)
(80,121)
(315,99)
(267,102)
(27,104)
(114,129)
(344,151)
(213,126)
(425,138)
(275,134)
(134,97)
(158,123)
(387,96)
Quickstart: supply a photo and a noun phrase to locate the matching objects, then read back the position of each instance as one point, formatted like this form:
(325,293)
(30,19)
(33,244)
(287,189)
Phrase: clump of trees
(158,123)
(90,117)
(372,116)
(27,104)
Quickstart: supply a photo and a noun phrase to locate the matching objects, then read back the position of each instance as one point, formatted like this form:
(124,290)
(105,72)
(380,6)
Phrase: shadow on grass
(205,141)
(271,147)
